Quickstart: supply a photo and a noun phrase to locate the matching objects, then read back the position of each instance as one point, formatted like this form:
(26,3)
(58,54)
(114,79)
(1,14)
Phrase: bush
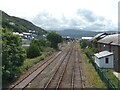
(40,43)
(54,39)
(33,51)
(88,47)
(13,56)
(84,43)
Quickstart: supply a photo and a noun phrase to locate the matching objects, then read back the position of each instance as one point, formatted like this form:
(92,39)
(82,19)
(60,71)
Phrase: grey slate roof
(111,39)
(100,35)
(103,54)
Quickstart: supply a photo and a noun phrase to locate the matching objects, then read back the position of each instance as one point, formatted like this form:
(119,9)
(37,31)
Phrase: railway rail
(56,72)
(30,77)
(59,71)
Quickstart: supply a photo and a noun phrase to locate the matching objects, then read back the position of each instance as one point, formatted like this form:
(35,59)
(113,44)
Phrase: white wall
(97,61)
(101,62)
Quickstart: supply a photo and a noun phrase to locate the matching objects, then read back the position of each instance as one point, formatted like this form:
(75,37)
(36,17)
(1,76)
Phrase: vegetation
(88,47)
(33,51)
(28,63)
(91,50)
(20,25)
(41,43)
(54,38)
(17,60)
(112,77)
(92,76)
(84,43)
(13,56)
(36,47)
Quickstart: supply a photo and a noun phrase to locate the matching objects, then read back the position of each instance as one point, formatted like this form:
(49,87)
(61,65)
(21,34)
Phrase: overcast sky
(65,14)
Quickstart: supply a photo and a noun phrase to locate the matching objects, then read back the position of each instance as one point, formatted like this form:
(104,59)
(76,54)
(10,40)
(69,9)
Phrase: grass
(28,63)
(112,77)
(92,75)
(108,72)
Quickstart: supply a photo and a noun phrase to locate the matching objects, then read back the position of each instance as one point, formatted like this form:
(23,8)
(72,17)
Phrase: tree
(84,43)
(54,38)
(33,51)
(40,43)
(13,56)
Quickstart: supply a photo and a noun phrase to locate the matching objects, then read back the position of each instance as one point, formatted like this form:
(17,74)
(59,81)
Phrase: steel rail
(57,69)
(63,72)
(47,61)
(81,79)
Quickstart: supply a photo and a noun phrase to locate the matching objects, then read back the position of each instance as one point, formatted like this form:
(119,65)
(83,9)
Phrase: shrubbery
(13,56)
(54,39)
(36,47)
(88,47)
(84,43)
(33,51)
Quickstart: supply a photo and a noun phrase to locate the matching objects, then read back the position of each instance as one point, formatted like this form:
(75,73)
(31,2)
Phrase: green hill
(19,25)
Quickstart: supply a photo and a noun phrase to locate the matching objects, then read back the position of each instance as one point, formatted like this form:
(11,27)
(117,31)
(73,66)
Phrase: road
(61,70)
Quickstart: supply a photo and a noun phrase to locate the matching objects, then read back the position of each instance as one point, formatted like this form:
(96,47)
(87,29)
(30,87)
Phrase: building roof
(26,33)
(111,39)
(103,54)
(16,33)
(100,35)
(87,38)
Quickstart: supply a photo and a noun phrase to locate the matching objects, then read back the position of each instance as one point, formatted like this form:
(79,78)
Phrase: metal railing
(103,77)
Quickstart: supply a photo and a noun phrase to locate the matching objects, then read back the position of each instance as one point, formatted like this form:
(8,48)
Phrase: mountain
(78,33)
(19,25)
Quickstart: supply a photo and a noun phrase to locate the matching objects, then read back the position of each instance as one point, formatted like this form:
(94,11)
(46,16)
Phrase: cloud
(87,15)
(81,19)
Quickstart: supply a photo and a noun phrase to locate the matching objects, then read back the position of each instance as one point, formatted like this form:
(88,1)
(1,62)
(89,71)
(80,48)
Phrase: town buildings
(111,43)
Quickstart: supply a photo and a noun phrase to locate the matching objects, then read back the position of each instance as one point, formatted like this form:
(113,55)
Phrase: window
(103,45)
(106,60)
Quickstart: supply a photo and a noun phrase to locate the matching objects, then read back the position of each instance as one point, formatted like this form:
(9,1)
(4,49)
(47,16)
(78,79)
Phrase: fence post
(102,75)
(108,84)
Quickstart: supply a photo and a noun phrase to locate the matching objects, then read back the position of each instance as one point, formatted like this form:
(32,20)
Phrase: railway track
(58,73)
(76,75)
(65,58)
(77,70)
(32,75)
(80,69)
(73,73)
(76,79)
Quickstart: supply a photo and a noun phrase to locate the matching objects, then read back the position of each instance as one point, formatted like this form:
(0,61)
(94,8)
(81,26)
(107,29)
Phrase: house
(67,39)
(16,33)
(26,38)
(26,43)
(100,36)
(97,38)
(11,23)
(87,38)
(111,43)
(104,59)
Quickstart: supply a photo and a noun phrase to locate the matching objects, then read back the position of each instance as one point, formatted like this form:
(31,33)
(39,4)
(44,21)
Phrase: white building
(11,23)
(87,38)
(16,33)
(104,59)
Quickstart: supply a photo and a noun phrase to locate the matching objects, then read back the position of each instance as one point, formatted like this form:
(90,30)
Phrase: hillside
(19,25)
(76,33)
(79,33)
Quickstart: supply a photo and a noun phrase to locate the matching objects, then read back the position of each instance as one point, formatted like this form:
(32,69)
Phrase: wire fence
(103,77)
